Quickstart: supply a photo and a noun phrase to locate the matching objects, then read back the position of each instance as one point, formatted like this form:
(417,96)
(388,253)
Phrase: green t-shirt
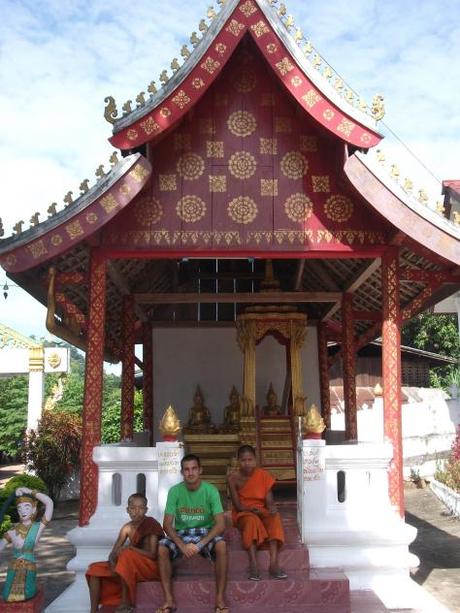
(193,508)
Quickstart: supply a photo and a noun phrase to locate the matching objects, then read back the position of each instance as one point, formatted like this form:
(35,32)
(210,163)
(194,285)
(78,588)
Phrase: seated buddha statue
(232,413)
(199,415)
(272,407)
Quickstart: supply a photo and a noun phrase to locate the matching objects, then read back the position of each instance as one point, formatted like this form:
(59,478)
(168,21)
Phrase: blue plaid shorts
(191,535)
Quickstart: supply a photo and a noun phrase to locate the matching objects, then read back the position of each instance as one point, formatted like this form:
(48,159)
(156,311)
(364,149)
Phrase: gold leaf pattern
(242,165)
(242,210)
(235,27)
(139,173)
(74,229)
(56,240)
(190,166)
(269,187)
(242,123)
(294,165)
(215,148)
(168,183)
(191,209)
(346,127)
(248,8)
(321,183)
(217,183)
(365,138)
(210,65)
(338,208)
(296,81)
(260,28)
(272,48)
(150,126)
(91,218)
(283,125)
(197,83)
(298,207)
(269,146)
(245,81)
(328,114)
(181,99)
(38,249)
(285,66)
(221,48)
(165,112)
(124,189)
(109,203)
(308,144)
(311,98)
(182,142)
(132,134)
(148,211)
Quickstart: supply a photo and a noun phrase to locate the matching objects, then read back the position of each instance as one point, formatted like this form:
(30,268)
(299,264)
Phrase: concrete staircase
(314,591)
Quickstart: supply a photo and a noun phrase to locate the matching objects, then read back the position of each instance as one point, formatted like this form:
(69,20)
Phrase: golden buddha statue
(199,415)
(271,408)
(232,413)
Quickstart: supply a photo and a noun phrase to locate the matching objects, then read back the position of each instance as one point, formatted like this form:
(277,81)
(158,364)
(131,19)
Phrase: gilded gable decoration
(191,208)
(242,210)
(242,165)
(339,208)
(298,207)
(294,165)
(190,166)
(242,123)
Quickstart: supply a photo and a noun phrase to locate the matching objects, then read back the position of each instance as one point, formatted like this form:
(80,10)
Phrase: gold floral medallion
(339,208)
(298,207)
(190,166)
(242,165)
(242,123)
(242,210)
(294,165)
(191,209)
(244,81)
(148,211)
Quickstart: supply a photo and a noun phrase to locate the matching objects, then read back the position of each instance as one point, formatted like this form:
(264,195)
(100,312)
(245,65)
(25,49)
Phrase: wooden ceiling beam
(239,297)
(122,286)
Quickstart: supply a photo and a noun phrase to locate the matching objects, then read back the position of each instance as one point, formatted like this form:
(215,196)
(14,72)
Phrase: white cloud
(60,58)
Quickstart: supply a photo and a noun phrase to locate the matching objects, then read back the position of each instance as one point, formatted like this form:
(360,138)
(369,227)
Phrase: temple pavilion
(245,222)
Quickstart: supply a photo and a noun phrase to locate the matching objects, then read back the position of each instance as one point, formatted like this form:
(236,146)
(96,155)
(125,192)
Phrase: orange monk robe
(132,566)
(257,528)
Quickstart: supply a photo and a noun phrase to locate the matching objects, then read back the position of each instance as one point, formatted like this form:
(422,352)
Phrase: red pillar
(127,373)
(324,374)
(391,366)
(349,368)
(148,379)
(92,402)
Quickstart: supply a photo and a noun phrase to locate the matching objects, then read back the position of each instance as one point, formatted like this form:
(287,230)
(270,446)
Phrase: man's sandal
(166,609)
(279,574)
(254,576)
(223,609)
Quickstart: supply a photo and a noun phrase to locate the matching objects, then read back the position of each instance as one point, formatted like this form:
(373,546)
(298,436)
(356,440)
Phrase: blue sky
(60,58)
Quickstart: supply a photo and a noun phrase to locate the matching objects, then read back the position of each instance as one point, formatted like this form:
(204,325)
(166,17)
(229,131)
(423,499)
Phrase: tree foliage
(13,414)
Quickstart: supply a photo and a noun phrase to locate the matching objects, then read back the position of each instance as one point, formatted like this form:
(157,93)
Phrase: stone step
(323,591)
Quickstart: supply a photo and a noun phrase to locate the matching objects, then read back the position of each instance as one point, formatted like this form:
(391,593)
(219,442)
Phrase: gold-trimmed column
(324,375)
(246,338)
(349,368)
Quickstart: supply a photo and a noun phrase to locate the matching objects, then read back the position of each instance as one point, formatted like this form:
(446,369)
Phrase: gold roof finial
(327,73)
(456,218)
(203,26)
(408,185)
(308,48)
(394,171)
(378,390)
(18,227)
(84,187)
(170,424)
(440,208)
(378,107)
(211,14)
(298,35)
(152,88)
(100,174)
(338,84)
(113,159)
(34,219)
(140,99)
(349,96)
(380,156)
(422,196)
(164,77)
(282,10)
(316,61)
(221,2)
(194,39)
(52,209)
(289,23)
(363,105)
(175,65)
(110,111)
(313,422)
(68,198)
(126,108)
(185,53)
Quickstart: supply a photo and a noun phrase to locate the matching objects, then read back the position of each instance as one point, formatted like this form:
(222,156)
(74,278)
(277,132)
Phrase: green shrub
(35,483)
(5,525)
(53,450)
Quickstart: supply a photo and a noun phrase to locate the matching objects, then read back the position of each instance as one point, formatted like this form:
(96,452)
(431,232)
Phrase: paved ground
(437,545)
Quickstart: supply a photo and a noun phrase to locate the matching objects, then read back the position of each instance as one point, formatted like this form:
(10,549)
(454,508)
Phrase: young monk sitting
(254,512)
(114,582)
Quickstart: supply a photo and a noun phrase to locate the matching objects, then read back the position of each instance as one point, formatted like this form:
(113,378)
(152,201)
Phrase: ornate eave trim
(418,222)
(15,340)
(315,95)
(79,220)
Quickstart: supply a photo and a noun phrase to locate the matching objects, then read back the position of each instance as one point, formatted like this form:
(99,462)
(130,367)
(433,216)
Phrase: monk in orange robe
(254,512)
(114,582)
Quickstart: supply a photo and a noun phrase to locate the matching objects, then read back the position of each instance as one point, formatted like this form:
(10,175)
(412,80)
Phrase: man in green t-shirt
(194,524)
